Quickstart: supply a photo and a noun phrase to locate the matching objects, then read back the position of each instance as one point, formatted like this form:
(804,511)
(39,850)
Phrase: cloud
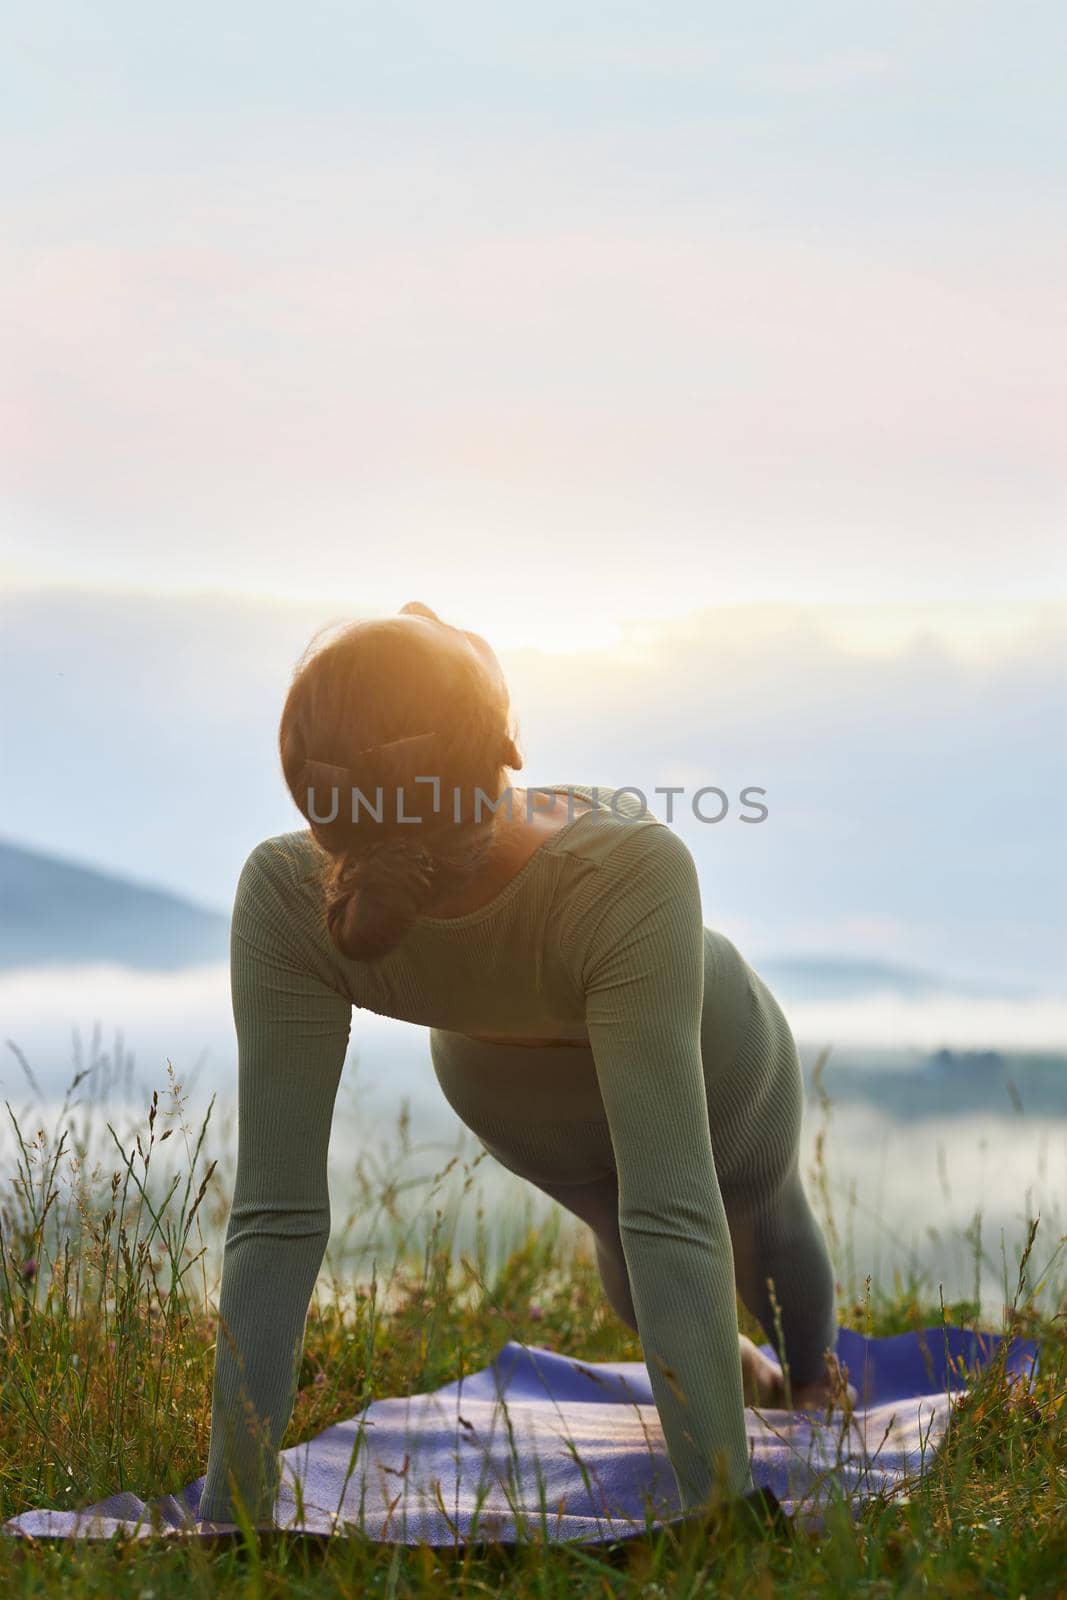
(910,793)
(775,415)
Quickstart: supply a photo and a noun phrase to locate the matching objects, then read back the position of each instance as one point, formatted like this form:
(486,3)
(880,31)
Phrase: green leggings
(538,1111)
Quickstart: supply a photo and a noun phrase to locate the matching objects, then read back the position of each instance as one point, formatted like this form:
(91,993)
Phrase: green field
(110,1253)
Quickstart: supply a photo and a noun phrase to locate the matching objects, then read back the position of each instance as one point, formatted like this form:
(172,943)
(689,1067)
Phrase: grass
(110,1241)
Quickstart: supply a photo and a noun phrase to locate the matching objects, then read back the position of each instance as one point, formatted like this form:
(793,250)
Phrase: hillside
(54,911)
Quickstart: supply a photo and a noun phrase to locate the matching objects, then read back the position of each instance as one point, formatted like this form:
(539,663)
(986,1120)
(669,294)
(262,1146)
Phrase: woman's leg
(783,1275)
(781,1264)
(597,1205)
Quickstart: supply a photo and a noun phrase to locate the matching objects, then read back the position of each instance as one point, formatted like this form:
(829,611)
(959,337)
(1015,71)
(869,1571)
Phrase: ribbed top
(598,937)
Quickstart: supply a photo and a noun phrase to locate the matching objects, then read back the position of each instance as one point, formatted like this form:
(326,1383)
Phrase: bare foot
(829,1393)
(764,1385)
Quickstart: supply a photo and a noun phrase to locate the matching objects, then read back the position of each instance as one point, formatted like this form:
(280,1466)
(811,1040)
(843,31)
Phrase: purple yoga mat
(544,1447)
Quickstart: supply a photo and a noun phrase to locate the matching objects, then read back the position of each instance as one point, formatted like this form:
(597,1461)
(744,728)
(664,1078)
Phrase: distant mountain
(54,911)
(815,978)
(940,1086)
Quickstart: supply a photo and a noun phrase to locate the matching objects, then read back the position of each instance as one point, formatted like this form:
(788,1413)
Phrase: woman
(596,1037)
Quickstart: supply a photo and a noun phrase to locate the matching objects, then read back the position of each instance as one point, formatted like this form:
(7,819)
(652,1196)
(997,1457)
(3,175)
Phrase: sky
(913,759)
(567,317)
(710,360)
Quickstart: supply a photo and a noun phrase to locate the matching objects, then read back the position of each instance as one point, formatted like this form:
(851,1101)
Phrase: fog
(904,1190)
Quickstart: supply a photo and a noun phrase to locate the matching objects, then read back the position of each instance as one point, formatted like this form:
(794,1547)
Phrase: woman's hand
(761,1378)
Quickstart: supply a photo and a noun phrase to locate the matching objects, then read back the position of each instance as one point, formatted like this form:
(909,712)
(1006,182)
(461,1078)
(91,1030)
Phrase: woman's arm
(292,1035)
(643,976)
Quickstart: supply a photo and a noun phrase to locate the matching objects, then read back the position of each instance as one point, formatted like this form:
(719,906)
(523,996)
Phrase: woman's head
(382,720)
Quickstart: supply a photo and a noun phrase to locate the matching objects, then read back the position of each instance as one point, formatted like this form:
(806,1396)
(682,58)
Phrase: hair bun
(373,897)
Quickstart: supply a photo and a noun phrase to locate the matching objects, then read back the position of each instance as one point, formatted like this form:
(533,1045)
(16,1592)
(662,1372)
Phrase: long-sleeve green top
(598,937)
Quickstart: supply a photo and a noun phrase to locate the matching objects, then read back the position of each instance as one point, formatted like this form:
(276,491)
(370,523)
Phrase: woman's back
(512,968)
